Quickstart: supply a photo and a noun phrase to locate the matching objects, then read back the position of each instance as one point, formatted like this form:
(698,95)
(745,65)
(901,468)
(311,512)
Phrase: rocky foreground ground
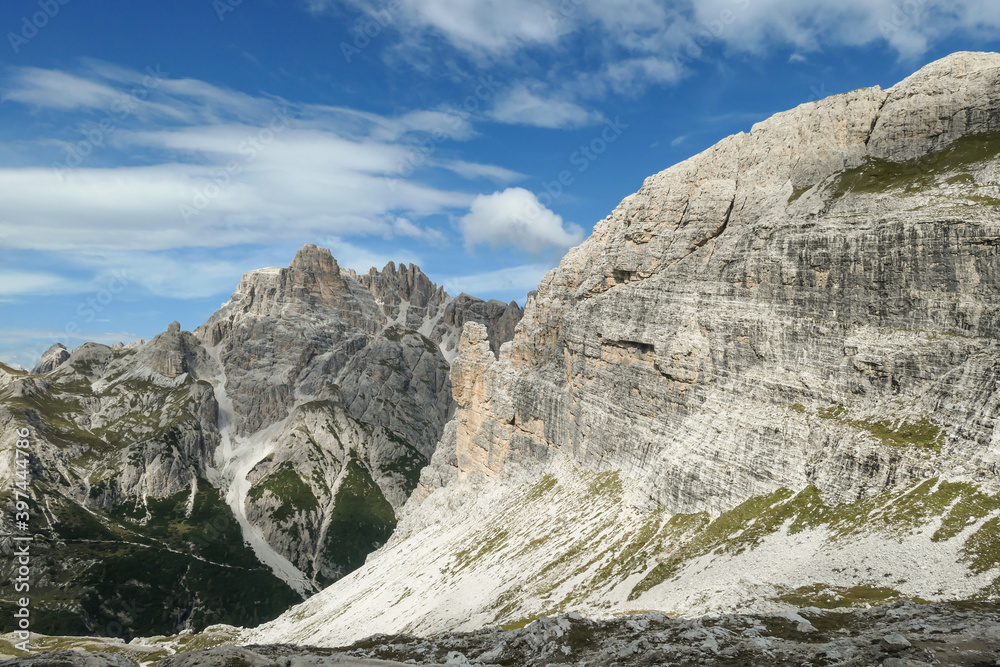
(902,634)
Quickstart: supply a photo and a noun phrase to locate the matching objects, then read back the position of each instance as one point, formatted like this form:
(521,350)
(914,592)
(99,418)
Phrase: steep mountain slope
(277,440)
(769,378)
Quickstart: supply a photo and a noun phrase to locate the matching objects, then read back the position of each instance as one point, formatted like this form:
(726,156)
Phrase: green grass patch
(541,488)
(467,557)
(96,575)
(362,520)
(836,597)
(924,433)
(982,550)
(287,486)
(878,175)
(12,371)
(797,192)
(407,466)
(522,622)
(956,506)
(606,484)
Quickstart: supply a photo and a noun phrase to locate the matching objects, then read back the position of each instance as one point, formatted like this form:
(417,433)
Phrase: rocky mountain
(278,440)
(769,379)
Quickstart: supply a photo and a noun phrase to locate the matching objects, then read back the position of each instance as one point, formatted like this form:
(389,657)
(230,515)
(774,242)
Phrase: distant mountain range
(278,441)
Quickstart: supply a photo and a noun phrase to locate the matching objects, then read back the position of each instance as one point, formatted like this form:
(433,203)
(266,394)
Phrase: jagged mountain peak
(51,359)
(315,264)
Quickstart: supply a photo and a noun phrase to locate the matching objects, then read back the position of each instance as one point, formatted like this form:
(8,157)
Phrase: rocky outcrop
(68,659)
(741,386)
(498,317)
(54,356)
(898,635)
(126,527)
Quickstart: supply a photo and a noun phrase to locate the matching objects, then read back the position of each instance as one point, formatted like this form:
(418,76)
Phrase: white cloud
(224,168)
(188,274)
(516,218)
(472,170)
(498,26)
(652,42)
(21,283)
(57,90)
(908,27)
(631,76)
(447,124)
(521,106)
(21,336)
(352,256)
(404,227)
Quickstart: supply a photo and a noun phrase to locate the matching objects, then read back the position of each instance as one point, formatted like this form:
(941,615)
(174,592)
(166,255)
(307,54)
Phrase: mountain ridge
(293,423)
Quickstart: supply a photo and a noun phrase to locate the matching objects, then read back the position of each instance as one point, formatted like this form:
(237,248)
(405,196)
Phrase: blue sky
(151,153)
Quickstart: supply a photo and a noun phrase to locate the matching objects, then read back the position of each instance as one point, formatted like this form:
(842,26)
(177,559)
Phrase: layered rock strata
(772,370)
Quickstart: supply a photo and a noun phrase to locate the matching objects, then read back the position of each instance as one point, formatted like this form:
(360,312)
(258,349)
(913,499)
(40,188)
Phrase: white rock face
(810,308)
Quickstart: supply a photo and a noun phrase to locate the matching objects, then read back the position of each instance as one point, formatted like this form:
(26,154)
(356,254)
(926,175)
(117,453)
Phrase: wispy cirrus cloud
(57,90)
(521,106)
(595,49)
(626,29)
(217,167)
(23,283)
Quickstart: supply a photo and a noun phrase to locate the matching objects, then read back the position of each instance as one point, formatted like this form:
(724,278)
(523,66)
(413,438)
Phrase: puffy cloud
(516,218)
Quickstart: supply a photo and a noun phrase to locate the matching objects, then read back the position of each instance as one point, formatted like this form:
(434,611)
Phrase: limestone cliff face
(790,307)
(54,356)
(770,377)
